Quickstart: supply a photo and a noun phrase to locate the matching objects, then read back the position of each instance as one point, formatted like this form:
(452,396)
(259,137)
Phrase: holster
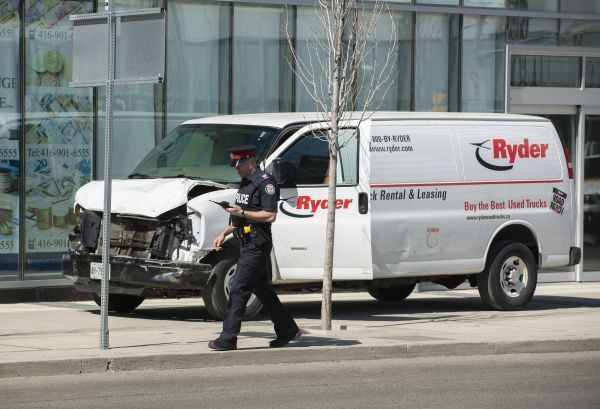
(259,237)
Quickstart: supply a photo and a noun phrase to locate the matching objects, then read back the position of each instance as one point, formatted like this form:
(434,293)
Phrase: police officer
(250,221)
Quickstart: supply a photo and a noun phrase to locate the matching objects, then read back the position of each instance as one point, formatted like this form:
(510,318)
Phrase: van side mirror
(283,172)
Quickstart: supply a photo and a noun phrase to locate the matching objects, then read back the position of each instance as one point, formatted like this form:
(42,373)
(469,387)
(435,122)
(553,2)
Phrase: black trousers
(250,276)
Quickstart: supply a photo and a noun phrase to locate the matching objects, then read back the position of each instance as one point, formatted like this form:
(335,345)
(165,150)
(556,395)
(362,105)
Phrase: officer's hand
(234,210)
(218,242)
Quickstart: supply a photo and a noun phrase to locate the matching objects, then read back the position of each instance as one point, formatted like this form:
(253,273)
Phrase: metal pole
(579,158)
(107,178)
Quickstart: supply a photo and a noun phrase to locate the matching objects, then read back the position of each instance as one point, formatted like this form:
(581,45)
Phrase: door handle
(363,203)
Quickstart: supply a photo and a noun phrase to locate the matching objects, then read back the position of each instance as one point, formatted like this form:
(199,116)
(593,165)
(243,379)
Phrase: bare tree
(333,71)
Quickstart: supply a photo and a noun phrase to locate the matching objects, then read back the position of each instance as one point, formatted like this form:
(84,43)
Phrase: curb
(288,355)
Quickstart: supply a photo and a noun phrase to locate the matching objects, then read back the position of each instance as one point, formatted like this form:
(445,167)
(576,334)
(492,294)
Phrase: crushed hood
(143,197)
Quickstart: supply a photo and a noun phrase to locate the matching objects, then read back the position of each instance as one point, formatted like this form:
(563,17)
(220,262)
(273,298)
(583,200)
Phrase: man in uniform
(250,221)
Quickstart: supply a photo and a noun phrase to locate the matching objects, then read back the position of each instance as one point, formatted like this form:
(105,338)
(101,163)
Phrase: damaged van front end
(162,222)
(155,239)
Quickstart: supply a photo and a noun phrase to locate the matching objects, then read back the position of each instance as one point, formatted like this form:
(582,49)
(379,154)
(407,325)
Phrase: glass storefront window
(534,31)
(592,73)
(198,61)
(310,36)
(136,4)
(591,195)
(544,71)
(137,126)
(58,133)
(483,64)
(533,5)
(580,6)
(260,74)
(579,33)
(395,94)
(10,162)
(436,62)
(439,2)
(485,3)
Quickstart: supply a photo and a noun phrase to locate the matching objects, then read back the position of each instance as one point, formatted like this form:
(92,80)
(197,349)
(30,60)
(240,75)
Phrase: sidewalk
(63,337)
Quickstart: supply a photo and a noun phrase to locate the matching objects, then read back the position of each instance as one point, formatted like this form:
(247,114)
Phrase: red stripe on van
(498,182)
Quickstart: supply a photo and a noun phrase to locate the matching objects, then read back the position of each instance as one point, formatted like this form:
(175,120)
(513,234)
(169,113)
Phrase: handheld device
(223,203)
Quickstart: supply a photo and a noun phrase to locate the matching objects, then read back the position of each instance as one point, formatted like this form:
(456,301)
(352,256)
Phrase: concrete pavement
(63,337)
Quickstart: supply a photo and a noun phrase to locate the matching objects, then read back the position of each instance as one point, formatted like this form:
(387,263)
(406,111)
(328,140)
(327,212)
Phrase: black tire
(121,302)
(510,277)
(392,294)
(216,293)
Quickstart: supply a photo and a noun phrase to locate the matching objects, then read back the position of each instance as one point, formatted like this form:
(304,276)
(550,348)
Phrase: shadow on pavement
(370,310)
(306,340)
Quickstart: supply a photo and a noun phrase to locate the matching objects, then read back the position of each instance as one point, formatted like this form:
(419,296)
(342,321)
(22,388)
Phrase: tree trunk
(333,146)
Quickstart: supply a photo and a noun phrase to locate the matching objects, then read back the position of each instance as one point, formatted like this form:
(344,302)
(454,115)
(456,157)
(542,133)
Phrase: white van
(435,197)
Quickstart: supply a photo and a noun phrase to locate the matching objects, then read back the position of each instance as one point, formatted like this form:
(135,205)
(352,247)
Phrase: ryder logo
(505,152)
(313,205)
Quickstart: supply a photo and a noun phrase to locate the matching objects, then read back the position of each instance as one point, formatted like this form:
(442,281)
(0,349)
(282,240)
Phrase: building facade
(526,56)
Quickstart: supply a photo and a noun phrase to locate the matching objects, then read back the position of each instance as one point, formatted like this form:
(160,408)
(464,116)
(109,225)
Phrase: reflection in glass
(544,71)
(592,73)
(198,44)
(579,33)
(10,174)
(483,64)
(580,6)
(536,31)
(259,69)
(436,71)
(533,5)
(484,3)
(591,194)
(394,95)
(137,125)
(58,133)
(310,37)
(440,2)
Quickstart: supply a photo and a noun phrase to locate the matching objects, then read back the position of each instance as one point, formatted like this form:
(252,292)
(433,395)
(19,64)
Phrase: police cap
(241,152)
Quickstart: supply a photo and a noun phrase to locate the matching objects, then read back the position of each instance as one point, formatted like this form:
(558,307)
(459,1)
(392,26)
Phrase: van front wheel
(393,293)
(216,293)
(510,277)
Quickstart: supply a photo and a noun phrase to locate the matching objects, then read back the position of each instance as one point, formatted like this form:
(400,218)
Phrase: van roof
(283,119)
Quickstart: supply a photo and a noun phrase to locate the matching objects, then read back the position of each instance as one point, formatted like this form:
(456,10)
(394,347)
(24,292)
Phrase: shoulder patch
(270,189)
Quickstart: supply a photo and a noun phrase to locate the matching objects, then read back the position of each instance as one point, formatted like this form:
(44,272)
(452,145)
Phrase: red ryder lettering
(521,150)
(305,202)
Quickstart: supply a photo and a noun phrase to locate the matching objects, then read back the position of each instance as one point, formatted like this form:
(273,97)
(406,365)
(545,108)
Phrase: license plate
(96,271)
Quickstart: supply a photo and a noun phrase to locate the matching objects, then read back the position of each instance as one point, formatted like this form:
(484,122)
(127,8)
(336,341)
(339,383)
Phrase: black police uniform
(258,192)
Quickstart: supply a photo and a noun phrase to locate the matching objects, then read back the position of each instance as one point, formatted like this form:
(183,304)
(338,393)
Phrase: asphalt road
(503,381)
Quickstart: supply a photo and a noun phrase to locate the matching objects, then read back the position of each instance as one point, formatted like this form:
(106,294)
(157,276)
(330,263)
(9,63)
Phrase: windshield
(200,152)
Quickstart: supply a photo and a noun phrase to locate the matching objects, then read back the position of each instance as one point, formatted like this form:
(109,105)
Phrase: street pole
(107,177)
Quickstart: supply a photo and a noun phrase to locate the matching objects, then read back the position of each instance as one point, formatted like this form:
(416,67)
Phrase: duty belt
(242,233)
(250,233)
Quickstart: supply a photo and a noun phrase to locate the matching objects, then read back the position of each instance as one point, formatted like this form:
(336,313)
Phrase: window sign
(58,131)
(9,139)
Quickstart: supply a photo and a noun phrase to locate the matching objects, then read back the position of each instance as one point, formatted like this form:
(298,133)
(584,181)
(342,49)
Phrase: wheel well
(521,234)
(231,248)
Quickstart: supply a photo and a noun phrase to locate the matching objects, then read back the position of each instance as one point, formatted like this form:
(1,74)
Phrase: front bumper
(135,276)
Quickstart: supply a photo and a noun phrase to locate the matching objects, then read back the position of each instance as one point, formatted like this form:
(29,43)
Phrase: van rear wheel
(216,293)
(120,302)
(390,294)
(510,276)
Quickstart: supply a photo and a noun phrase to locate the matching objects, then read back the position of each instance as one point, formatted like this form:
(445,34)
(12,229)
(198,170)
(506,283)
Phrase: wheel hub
(227,284)
(514,276)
